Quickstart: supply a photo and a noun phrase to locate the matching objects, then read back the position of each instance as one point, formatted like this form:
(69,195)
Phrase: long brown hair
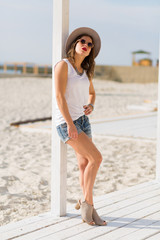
(88,63)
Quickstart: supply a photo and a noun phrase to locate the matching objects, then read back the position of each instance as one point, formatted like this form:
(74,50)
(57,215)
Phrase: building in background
(142,62)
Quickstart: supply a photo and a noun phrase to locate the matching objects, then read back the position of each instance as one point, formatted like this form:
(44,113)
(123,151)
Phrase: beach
(25,159)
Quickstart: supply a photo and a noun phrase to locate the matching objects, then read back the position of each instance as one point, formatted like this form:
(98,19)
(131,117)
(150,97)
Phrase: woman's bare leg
(85,147)
(82,164)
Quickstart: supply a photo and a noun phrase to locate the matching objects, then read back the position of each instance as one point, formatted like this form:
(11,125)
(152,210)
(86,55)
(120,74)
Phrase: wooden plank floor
(135,126)
(132,213)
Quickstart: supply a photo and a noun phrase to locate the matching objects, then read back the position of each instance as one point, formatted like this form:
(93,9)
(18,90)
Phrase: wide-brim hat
(82,31)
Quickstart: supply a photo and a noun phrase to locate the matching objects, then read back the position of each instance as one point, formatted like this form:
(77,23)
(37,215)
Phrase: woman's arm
(92,94)
(60,76)
(92,97)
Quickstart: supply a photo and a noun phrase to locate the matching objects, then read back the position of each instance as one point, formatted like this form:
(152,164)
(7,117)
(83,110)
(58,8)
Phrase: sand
(25,157)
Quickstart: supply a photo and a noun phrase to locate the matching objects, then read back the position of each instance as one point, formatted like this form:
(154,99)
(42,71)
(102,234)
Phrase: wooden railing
(26,68)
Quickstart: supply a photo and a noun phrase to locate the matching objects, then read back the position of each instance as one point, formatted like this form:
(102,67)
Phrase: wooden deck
(132,214)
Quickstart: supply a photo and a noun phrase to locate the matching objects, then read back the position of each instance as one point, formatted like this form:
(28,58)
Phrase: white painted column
(59,149)
(158,125)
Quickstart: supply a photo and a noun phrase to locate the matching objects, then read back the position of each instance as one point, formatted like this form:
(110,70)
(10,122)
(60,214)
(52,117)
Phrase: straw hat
(81,31)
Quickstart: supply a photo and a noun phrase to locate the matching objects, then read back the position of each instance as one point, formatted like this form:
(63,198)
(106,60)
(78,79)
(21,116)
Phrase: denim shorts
(82,124)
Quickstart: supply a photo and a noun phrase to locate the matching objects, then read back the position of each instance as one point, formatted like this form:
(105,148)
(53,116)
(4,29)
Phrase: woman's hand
(72,131)
(88,109)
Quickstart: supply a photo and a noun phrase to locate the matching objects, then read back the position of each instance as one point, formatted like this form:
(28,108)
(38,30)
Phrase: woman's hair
(88,63)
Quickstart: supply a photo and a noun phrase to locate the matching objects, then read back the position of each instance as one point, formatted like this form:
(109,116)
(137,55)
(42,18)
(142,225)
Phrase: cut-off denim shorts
(82,124)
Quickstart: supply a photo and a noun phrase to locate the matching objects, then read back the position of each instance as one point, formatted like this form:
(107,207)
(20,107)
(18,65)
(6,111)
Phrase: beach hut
(133,212)
(141,62)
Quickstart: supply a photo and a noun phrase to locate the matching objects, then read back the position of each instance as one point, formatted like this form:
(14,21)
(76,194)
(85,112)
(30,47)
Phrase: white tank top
(76,95)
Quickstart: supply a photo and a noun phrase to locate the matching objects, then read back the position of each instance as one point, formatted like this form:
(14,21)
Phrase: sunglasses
(90,44)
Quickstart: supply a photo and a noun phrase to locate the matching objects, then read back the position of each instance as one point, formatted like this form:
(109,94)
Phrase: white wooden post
(158,125)
(59,149)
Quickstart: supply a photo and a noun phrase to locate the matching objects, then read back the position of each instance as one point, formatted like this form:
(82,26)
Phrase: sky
(123,25)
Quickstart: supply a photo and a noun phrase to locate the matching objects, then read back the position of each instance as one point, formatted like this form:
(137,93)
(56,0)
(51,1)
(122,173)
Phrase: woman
(75,97)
